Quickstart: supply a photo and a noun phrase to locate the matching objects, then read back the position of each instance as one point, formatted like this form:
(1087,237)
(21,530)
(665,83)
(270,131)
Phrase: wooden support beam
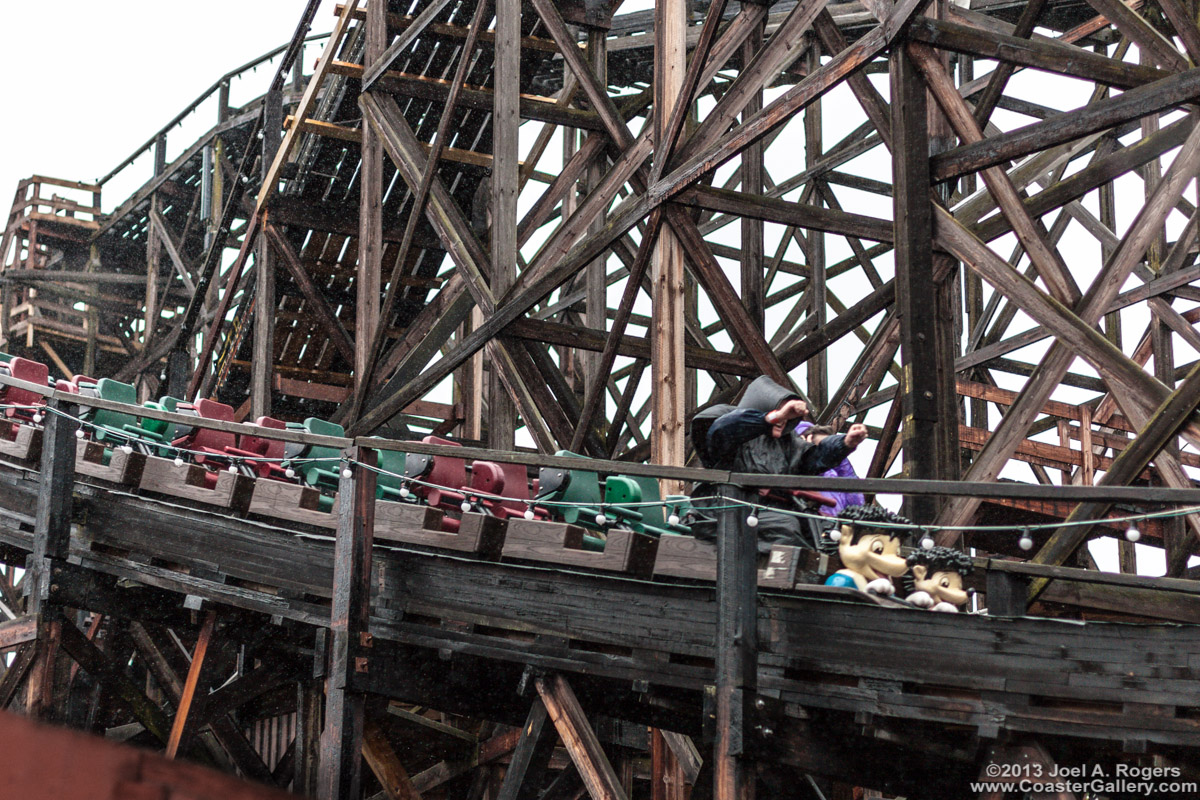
(914,277)
(369,273)
(380,62)
(506,122)
(112,677)
(225,732)
(381,758)
(523,778)
(736,649)
(416,210)
(1162,428)
(349,655)
(265,304)
(307,101)
(1042,54)
(779,111)
(317,304)
(1141,101)
(15,673)
(181,730)
(579,739)
(1095,303)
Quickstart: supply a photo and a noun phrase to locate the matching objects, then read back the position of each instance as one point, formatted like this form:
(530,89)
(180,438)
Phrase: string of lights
(475,499)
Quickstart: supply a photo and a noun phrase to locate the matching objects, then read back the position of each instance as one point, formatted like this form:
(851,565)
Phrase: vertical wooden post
(736,647)
(596,316)
(93,314)
(913,221)
(310,699)
(470,384)
(341,744)
(263,358)
(51,543)
(667,323)
(752,183)
(153,255)
(52,521)
(370,210)
(667,781)
(506,122)
(818,365)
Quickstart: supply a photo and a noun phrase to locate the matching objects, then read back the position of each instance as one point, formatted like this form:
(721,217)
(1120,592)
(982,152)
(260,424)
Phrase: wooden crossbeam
(579,739)
(180,727)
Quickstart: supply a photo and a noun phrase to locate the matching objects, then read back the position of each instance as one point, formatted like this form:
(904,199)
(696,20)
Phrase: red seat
(441,486)
(25,370)
(254,446)
(516,493)
(207,446)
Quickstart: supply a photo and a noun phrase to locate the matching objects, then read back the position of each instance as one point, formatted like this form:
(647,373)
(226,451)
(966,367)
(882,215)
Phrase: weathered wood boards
(123,467)
(222,489)
(20,442)
(560,543)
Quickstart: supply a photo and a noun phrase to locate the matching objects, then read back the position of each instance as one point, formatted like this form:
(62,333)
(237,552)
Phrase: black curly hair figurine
(935,578)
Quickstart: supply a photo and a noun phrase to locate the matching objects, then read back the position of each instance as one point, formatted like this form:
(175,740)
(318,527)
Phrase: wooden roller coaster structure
(478,239)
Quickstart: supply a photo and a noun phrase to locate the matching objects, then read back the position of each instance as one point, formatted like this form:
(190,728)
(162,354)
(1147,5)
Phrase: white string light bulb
(752,520)
(79,434)
(466,506)
(289,473)
(347,473)
(601,519)
(127,449)
(233,468)
(673,519)
(835,535)
(1132,534)
(1026,541)
(37,417)
(529,512)
(927,542)
(179,461)
(404,492)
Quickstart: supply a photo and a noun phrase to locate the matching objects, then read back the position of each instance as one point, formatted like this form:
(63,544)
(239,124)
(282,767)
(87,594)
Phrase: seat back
(261,445)
(447,471)
(392,463)
(25,370)
(321,472)
(206,439)
(487,478)
(110,425)
(576,499)
(164,430)
(516,489)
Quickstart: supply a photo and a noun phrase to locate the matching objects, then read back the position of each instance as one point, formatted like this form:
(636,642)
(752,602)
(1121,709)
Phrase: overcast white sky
(82,84)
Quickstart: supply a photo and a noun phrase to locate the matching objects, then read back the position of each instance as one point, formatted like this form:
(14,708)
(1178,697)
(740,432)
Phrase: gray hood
(764,394)
(701,422)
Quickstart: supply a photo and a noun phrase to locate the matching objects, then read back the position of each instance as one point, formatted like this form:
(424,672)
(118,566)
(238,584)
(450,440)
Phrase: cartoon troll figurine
(937,579)
(870,555)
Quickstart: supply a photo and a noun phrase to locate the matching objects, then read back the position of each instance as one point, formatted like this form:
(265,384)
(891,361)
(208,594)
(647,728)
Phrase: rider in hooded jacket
(757,435)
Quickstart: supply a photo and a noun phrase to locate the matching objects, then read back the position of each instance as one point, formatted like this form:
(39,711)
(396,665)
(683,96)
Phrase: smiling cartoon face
(946,587)
(872,555)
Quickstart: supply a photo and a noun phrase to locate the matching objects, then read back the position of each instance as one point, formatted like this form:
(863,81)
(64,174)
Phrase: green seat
(635,500)
(5,358)
(572,495)
(313,466)
(120,427)
(387,486)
